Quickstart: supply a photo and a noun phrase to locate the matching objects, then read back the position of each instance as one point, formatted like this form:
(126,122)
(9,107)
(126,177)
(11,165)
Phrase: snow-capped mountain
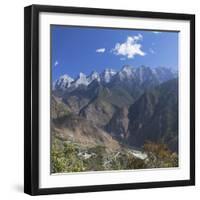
(63,82)
(134,75)
(84,80)
(164,74)
(93,76)
(145,74)
(80,80)
(127,72)
(107,75)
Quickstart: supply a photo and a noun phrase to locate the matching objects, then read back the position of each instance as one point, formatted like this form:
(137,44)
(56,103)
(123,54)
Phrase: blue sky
(81,49)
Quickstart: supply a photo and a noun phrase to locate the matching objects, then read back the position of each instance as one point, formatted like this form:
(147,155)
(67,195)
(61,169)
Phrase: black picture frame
(31,98)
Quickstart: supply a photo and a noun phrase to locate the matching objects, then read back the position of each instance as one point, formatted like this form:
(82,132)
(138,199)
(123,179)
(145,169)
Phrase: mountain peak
(65,76)
(63,82)
(81,75)
(107,75)
(128,69)
(81,80)
(93,76)
(127,73)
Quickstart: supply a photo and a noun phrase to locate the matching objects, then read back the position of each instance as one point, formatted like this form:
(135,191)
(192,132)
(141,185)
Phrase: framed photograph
(109,100)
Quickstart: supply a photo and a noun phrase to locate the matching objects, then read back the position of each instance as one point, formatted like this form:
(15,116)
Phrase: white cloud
(130,47)
(101,50)
(56,63)
(152,51)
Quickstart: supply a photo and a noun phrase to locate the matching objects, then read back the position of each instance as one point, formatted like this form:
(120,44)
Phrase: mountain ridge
(124,105)
(127,72)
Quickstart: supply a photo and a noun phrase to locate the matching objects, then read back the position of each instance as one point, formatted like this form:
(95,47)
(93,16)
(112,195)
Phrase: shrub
(159,155)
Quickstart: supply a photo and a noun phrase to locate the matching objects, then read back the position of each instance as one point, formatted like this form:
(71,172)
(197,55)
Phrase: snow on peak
(63,82)
(81,75)
(127,69)
(81,80)
(164,74)
(93,76)
(140,74)
(66,77)
(107,74)
(126,72)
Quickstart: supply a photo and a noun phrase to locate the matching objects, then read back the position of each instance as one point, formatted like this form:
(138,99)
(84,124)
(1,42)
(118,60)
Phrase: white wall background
(11,100)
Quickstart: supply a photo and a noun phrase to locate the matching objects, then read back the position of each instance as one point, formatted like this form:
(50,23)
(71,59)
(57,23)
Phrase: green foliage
(135,163)
(71,157)
(57,160)
(96,161)
(66,159)
(159,156)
